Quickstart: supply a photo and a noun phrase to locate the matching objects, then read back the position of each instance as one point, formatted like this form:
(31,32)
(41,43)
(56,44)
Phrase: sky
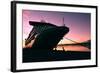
(78,23)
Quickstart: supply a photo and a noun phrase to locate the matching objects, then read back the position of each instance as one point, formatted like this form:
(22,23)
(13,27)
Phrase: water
(73,48)
(69,52)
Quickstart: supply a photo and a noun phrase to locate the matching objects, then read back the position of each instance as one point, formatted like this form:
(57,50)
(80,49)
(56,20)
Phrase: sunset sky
(78,23)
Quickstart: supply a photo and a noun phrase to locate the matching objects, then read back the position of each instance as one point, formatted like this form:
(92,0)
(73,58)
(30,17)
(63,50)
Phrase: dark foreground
(30,55)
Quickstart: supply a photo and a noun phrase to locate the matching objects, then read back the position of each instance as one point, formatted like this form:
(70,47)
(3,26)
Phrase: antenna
(42,20)
(63,25)
(63,22)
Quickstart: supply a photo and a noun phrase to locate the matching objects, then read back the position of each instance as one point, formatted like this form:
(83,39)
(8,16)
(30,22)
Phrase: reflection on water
(73,48)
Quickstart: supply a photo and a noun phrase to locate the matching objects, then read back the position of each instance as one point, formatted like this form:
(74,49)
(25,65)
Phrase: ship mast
(62,38)
(63,22)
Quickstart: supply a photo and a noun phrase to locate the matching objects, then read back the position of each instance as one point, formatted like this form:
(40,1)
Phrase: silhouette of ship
(46,36)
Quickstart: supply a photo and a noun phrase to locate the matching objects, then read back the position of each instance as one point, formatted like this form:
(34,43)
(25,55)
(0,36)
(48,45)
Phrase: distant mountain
(88,41)
(87,44)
